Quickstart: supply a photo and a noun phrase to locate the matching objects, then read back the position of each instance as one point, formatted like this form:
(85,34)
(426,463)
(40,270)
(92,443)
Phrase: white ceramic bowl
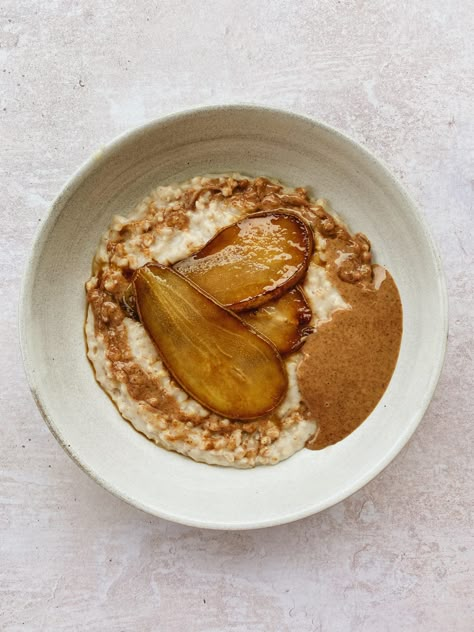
(251,140)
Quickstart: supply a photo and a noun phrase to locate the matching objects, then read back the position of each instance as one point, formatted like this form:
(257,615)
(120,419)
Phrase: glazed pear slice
(217,358)
(284,320)
(253,261)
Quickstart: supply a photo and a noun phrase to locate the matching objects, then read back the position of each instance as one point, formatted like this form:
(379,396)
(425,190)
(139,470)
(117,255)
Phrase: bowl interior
(252,141)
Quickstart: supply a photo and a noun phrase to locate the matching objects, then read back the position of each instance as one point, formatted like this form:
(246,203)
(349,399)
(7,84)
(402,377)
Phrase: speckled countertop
(397,76)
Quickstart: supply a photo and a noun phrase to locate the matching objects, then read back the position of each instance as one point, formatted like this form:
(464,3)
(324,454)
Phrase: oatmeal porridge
(305,328)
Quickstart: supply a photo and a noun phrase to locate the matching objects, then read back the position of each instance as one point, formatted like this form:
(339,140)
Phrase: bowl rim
(52,215)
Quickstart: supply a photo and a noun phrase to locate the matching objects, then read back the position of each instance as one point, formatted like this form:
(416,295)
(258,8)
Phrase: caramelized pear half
(253,261)
(216,357)
(284,320)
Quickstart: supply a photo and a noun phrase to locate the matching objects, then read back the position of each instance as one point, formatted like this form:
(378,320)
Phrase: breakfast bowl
(253,141)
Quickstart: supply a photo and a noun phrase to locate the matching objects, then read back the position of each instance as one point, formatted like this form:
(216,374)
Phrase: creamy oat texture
(170,224)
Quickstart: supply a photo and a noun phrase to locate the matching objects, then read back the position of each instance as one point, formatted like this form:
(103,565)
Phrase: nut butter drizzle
(349,361)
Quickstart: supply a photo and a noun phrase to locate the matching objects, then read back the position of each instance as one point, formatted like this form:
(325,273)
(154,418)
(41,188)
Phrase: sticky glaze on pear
(218,359)
(284,320)
(253,261)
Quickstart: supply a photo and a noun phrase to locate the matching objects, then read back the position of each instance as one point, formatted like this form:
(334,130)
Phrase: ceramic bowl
(251,140)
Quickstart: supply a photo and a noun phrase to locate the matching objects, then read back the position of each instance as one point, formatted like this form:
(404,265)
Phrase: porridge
(229,320)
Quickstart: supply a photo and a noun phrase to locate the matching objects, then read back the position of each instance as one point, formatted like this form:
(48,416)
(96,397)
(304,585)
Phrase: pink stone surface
(397,76)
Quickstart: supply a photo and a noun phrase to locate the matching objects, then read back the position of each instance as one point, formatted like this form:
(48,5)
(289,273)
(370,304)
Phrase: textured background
(396,75)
